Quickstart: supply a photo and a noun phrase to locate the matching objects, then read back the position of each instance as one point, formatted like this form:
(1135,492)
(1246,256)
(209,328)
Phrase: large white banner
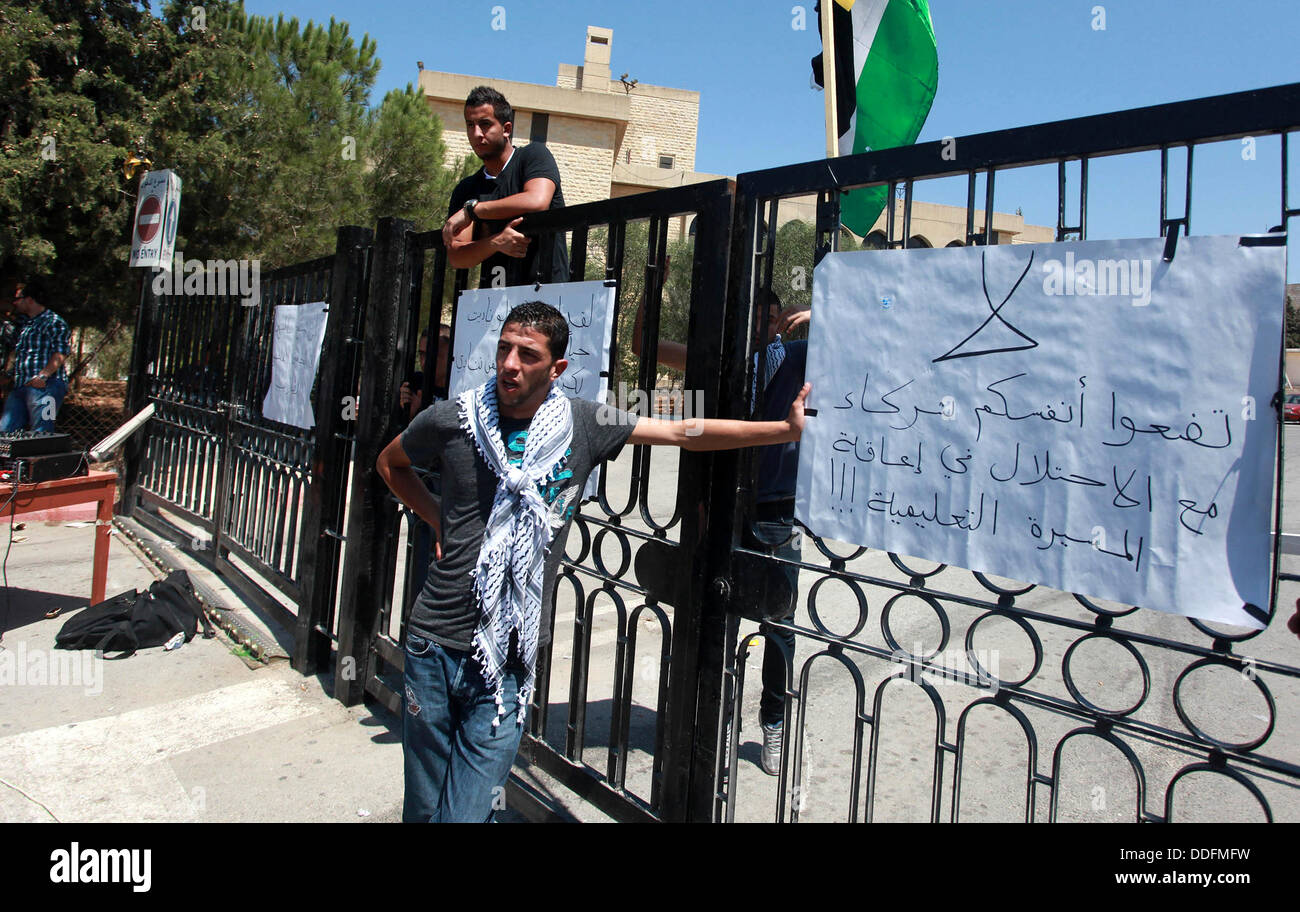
(589,308)
(299,332)
(1081,415)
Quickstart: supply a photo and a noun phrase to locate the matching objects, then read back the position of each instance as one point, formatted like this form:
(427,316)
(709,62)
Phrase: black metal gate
(1195,731)
(627,565)
(257,499)
(648,660)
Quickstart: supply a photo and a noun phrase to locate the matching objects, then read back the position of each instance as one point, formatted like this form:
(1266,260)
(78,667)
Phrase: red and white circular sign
(149,219)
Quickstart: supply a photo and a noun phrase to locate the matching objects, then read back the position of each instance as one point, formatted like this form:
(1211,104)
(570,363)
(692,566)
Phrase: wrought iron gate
(645,604)
(261,499)
(1194,730)
(628,562)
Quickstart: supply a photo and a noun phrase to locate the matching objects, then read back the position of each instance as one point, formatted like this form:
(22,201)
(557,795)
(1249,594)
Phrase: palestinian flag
(886,73)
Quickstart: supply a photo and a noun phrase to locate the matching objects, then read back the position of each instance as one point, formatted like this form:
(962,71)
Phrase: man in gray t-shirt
(515,458)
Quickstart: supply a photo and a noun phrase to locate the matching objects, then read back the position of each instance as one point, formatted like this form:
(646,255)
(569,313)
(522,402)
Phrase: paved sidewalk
(197,734)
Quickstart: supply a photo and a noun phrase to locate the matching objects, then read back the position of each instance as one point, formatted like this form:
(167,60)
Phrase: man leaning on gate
(489,205)
(515,455)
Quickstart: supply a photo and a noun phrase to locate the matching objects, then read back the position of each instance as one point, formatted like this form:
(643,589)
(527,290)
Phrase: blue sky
(1002,63)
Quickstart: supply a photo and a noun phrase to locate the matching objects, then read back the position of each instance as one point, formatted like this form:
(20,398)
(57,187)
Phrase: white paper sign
(1081,415)
(295,355)
(589,308)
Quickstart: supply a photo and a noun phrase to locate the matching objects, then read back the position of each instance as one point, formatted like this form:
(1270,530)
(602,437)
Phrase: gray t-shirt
(446,611)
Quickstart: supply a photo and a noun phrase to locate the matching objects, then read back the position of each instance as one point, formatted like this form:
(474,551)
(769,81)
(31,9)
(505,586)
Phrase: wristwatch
(469,209)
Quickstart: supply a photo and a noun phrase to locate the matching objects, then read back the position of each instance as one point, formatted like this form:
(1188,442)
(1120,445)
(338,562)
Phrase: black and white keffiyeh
(511,563)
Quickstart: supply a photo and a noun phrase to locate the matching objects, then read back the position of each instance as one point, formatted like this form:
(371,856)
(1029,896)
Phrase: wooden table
(98,487)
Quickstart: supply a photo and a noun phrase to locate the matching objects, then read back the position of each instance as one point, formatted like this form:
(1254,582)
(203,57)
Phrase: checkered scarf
(511,561)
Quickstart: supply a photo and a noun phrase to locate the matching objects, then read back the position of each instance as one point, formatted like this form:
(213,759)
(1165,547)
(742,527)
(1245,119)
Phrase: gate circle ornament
(1104,612)
(1025,626)
(1073,688)
(914,574)
(893,641)
(1204,627)
(625,559)
(830,555)
(580,524)
(1001,590)
(816,618)
(1241,746)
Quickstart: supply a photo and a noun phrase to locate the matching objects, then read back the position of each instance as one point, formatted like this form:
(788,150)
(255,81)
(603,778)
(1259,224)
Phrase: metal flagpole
(828,77)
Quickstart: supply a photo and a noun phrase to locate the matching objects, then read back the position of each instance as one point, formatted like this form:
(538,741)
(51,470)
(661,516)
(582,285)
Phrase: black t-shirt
(446,610)
(526,163)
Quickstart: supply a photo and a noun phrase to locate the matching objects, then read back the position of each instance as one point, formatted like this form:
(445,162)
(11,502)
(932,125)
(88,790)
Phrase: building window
(541,123)
(665,161)
(874,241)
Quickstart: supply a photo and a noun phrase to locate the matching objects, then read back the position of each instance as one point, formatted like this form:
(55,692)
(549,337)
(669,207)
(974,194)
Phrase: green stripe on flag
(895,89)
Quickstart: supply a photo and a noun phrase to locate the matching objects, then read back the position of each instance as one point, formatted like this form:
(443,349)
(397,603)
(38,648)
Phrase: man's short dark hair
(546,320)
(486,95)
(34,288)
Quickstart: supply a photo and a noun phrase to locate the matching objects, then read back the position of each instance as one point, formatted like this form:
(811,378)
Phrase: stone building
(615,136)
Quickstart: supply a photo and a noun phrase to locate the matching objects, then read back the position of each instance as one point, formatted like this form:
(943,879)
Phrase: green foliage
(81,83)
(792,263)
(267,122)
(674,312)
(310,90)
(405,151)
(1293,316)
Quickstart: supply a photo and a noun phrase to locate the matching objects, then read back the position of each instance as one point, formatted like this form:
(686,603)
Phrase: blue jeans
(29,408)
(456,763)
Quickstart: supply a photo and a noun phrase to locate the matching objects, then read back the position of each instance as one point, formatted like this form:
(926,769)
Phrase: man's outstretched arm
(721,433)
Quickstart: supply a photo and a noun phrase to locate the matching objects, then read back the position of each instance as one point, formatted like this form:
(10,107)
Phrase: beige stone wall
(453,129)
(662,122)
(584,152)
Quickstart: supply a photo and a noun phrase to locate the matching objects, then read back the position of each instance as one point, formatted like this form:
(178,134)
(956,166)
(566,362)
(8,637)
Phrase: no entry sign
(153,239)
(149,219)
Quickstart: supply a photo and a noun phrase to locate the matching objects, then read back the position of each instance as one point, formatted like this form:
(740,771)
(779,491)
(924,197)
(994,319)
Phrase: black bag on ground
(137,620)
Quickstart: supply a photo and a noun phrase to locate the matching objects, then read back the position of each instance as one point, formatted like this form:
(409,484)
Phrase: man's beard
(493,151)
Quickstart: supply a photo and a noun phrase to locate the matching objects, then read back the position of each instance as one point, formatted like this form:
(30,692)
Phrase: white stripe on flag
(866,22)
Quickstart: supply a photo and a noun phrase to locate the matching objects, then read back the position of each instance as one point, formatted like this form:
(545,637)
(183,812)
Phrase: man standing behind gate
(40,380)
(515,455)
(487,206)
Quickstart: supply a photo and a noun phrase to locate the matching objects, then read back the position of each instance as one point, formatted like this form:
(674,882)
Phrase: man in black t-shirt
(488,206)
